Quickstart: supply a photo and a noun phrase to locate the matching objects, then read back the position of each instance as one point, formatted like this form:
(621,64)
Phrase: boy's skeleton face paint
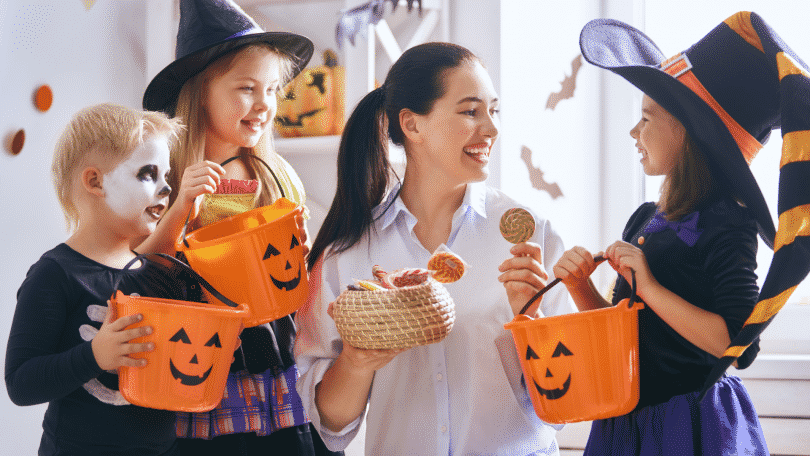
(136,190)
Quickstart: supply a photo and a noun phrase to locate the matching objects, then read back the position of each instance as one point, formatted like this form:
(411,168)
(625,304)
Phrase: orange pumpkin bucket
(194,345)
(581,366)
(255,258)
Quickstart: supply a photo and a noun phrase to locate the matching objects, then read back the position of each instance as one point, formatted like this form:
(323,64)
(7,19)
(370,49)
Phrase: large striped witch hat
(729,90)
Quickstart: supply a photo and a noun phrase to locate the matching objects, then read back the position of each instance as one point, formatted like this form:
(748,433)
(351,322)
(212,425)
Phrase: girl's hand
(523,275)
(198,179)
(623,257)
(111,344)
(574,267)
(302,230)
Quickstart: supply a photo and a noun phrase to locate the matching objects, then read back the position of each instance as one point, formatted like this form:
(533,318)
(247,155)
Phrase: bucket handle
(203,282)
(598,259)
(256,157)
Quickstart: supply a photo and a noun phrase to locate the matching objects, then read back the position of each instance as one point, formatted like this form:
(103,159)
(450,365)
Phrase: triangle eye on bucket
(561,350)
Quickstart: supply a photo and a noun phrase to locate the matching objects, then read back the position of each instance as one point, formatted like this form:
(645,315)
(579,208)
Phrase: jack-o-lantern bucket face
(254,258)
(201,357)
(194,345)
(552,389)
(287,264)
(581,366)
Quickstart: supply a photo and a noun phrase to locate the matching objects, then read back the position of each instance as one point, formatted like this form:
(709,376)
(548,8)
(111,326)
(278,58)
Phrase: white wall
(539,40)
(87,57)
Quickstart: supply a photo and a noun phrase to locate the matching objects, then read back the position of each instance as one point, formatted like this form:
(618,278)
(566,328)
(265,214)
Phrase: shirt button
(439,376)
(444,429)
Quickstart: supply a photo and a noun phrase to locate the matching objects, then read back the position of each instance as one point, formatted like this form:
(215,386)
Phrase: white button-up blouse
(463,395)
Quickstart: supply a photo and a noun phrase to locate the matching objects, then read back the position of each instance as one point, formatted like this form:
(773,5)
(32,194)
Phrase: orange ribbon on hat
(680,68)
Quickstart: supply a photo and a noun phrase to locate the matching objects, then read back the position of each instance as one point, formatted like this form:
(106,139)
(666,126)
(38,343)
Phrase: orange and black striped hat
(729,90)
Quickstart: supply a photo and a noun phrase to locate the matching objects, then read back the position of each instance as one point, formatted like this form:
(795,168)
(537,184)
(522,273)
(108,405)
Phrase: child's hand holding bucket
(575,266)
(624,258)
(302,228)
(111,345)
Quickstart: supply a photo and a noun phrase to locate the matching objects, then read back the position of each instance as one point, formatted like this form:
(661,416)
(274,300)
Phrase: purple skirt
(724,423)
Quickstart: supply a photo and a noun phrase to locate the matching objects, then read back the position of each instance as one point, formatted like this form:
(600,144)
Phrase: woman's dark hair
(414,82)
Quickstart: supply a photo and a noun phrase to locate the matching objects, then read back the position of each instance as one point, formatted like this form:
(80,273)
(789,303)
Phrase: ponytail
(362,178)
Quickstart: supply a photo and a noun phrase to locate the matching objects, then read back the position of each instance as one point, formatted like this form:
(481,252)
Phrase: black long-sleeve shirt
(715,274)
(49,358)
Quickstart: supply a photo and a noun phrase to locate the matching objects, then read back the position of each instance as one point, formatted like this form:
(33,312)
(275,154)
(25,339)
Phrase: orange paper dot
(641,240)
(17,142)
(43,98)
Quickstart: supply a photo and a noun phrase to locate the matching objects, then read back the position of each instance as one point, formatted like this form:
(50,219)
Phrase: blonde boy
(109,169)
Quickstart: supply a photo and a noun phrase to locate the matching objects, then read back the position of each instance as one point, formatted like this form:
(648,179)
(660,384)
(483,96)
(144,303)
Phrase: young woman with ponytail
(464,394)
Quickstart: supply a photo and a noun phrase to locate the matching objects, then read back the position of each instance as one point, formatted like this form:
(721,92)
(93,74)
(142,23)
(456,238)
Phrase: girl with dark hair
(693,253)
(464,394)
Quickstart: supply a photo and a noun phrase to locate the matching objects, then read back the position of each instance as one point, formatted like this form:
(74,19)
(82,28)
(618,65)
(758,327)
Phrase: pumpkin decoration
(254,258)
(313,103)
(581,366)
(194,345)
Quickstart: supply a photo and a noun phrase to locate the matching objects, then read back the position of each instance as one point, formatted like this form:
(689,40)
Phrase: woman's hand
(111,345)
(342,393)
(523,275)
(623,257)
(198,179)
(364,360)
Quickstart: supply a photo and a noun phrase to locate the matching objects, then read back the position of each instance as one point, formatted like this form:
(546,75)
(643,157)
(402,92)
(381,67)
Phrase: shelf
(307,145)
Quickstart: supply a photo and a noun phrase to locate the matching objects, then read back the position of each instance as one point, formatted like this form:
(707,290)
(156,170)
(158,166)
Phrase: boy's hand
(199,179)
(523,275)
(111,344)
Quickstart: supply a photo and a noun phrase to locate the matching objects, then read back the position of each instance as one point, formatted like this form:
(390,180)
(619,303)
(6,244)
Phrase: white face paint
(136,190)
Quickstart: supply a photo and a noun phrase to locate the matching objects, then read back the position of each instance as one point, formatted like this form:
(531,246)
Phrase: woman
(463,395)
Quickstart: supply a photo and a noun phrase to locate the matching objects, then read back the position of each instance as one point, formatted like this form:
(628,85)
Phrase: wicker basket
(395,318)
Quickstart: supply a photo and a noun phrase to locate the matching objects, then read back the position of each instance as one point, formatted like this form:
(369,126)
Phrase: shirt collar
(474,197)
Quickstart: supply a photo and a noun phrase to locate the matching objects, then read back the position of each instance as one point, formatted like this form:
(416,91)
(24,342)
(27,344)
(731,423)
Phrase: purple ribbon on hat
(685,229)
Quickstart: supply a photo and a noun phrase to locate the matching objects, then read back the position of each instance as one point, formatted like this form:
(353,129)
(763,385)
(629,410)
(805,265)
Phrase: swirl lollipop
(446,267)
(517,225)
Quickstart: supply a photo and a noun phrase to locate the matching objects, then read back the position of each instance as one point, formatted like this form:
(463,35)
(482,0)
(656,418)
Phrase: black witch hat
(208,30)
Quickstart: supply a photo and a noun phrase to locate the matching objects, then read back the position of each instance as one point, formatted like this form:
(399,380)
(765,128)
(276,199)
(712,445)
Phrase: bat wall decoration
(285,121)
(355,20)
(536,175)
(568,85)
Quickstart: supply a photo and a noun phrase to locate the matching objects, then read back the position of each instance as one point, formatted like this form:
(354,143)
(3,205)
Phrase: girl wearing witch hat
(705,113)
(223,85)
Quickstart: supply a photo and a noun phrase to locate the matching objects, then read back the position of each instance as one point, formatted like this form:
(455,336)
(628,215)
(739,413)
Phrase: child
(462,395)
(694,251)
(224,86)
(110,170)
